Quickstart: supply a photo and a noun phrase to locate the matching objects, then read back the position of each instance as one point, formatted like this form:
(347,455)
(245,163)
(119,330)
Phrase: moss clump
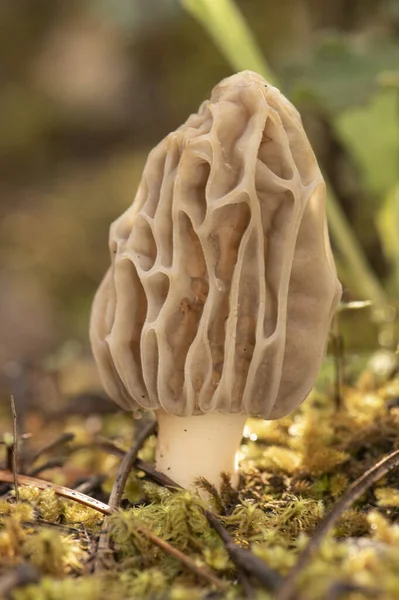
(293,471)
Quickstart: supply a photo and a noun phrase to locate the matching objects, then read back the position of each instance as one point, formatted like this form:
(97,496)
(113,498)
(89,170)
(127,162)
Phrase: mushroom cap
(222,284)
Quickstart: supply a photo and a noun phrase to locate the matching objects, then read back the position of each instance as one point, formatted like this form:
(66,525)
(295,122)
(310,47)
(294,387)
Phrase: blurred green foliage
(339,72)
(89,87)
(371,132)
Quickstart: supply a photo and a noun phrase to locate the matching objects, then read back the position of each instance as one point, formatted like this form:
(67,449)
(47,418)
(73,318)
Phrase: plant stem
(231,34)
(288,590)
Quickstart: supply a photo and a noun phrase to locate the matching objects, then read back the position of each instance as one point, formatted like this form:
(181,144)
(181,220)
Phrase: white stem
(198,446)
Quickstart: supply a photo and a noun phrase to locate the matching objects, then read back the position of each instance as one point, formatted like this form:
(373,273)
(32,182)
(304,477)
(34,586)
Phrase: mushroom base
(198,446)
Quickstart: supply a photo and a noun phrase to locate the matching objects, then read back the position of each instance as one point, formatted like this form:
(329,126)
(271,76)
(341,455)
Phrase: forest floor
(315,515)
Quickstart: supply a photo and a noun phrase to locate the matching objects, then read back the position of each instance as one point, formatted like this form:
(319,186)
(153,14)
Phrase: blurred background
(88,87)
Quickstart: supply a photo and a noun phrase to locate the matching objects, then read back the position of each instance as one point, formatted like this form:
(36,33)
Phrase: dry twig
(244,560)
(23,574)
(127,464)
(117,491)
(60,490)
(61,440)
(14,447)
(188,562)
(90,484)
(114,501)
(200,571)
(354,491)
(53,463)
(342,588)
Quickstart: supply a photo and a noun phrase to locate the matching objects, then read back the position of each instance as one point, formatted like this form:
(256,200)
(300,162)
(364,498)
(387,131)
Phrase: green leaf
(228,29)
(372,134)
(230,32)
(342,71)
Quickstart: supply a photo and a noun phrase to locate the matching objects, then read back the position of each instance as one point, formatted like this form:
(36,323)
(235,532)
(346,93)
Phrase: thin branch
(21,575)
(203,572)
(68,528)
(188,562)
(7,476)
(114,501)
(156,476)
(245,583)
(245,561)
(61,440)
(128,463)
(103,547)
(14,447)
(90,484)
(53,463)
(341,588)
(109,446)
(354,491)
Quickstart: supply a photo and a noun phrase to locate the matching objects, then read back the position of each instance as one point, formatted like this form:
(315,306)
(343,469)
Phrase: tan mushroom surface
(222,284)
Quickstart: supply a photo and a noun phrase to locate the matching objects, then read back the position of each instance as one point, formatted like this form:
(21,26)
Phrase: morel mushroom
(222,286)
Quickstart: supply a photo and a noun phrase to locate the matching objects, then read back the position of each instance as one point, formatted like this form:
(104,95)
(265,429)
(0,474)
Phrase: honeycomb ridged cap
(222,284)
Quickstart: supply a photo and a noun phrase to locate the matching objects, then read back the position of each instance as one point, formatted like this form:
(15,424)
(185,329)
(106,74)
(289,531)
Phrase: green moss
(52,553)
(292,472)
